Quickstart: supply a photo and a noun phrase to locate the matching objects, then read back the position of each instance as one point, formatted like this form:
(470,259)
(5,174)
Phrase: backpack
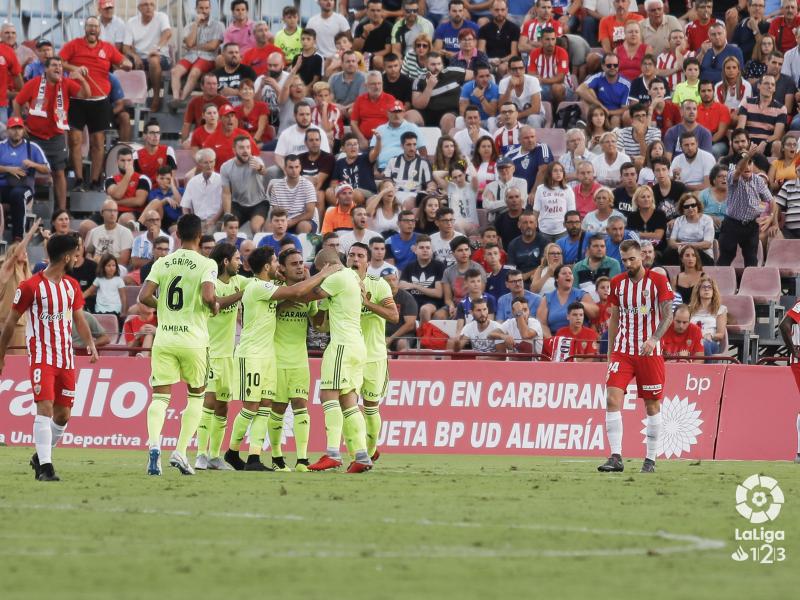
(567,117)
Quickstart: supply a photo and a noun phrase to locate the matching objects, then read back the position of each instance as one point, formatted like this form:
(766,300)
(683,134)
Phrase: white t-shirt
(203,196)
(376,271)
(114,32)
(695,171)
(441,248)
(594,224)
(530,87)
(464,201)
(511,328)
(144,37)
(108,300)
(348,238)
(706,321)
(464,142)
(293,141)
(552,204)
(479,340)
(607,174)
(113,241)
(326,30)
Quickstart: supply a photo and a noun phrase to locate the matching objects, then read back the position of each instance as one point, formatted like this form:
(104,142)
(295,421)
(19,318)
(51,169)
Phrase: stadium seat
(220,235)
(110,325)
(725,278)
(483,218)
(184,158)
(134,85)
(672,273)
(742,324)
(582,105)
(764,285)
(548,113)
(556,139)
(785,256)
(132,294)
(257,237)
(430,136)
(738,262)
(268,157)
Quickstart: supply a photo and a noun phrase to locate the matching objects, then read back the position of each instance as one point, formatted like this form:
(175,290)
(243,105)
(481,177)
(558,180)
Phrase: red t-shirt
(697,33)
(256,58)
(249,122)
(222,145)
(669,116)
(786,31)
(134,324)
(711,117)
(371,114)
(477,256)
(45,127)
(194,110)
(547,67)
(98,59)
(688,343)
(137,182)
(9,68)
(600,322)
(565,344)
(149,164)
(199,136)
(614,31)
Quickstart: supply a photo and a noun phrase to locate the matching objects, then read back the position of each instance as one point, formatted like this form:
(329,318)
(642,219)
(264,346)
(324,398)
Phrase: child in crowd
(167,195)
(288,38)
(109,287)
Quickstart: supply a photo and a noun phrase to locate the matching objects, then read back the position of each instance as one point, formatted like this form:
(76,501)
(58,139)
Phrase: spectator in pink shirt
(584,188)
(240,31)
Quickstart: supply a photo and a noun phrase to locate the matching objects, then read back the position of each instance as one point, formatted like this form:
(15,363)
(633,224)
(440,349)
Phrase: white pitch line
(692,543)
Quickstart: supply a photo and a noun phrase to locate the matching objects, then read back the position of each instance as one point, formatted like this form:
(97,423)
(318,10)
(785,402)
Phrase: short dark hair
(165,170)
(125,151)
(660,160)
(151,122)
(50,60)
(363,246)
(61,244)
(688,135)
(628,245)
(376,240)
(625,166)
(636,107)
(162,239)
(241,138)
(705,82)
(312,130)
(207,237)
(740,131)
(291,158)
(260,258)
(309,32)
(190,227)
(571,213)
(512,273)
(391,57)
(229,218)
(349,136)
(690,61)
(423,238)
(519,299)
(408,135)
(457,241)
(300,105)
(479,301)
(285,254)
(596,237)
(575,306)
(221,252)
(443,212)
(472,108)
(289,11)
(472,274)
(236,3)
(278,212)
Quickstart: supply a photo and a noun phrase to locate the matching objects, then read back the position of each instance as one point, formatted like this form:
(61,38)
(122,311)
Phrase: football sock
(258,431)
(57,431)
(156,413)
(302,430)
(204,430)
(218,425)
(275,432)
(614,431)
(240,425)
(357,427)
(372,416)
(798,433)
(653,429)
(334,422)
(43,438)
(189,421)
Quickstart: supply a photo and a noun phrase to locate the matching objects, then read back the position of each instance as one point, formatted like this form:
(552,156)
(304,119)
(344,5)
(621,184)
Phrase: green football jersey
(344,307)
(222,327)
(290,334)
(257,339)
(374,326)
(182,316)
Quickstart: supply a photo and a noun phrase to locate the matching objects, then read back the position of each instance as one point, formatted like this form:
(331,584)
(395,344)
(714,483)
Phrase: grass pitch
(415,527)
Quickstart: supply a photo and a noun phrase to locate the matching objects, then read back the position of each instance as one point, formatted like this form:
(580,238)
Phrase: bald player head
(327,256)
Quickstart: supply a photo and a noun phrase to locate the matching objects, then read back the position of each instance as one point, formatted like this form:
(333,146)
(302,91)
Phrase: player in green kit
(294,376)
(185,280)
(255,354)
(221,369)
(342,367)
(377,307)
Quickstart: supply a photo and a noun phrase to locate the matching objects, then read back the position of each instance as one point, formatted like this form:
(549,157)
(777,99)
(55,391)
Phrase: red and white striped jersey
(49,306)
(545,66)
(639,313)
(507,140)
(794,314)
(334,118)
(667,60)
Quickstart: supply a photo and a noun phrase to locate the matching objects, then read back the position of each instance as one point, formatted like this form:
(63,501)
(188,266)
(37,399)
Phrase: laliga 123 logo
(680,426)
(759,499)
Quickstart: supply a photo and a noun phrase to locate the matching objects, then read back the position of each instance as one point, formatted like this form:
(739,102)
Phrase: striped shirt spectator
(547,67)
(745,196)
(788,199)
(410,176)
(763,116)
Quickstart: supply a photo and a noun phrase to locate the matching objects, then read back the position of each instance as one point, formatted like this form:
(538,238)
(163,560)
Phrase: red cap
(15,122)
(106,3)
(397,106)
(225,109)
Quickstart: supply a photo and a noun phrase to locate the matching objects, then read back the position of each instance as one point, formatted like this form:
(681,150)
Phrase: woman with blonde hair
(415,62)
(542,280)
(14,269)
(648,221)
(707,312)
(733,89)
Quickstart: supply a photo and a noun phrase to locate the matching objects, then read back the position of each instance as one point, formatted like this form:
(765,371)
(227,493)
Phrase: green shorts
(376,379)
(292,383)
(171,365)
(342,368)
(221,377)
(256,379)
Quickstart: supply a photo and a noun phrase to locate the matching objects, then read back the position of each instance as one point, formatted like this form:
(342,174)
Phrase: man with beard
(244,185)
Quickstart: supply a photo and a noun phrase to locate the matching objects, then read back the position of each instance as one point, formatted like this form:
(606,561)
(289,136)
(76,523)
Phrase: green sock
(240,425)
(156,413)
(372,416)
(356,430)
(258,430)
(190,419)
(218,426)
(334,422)
(204,430)
(275,431)
(302,430)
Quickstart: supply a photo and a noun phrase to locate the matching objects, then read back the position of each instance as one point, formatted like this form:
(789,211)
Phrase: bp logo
(759,499)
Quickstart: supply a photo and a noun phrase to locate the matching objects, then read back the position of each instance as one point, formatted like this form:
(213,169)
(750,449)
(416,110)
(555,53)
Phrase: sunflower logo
(680,426)
(759,499)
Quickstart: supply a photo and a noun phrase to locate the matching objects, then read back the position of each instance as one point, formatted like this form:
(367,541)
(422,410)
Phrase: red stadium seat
(742,324)
(672,273)
(548,113)
(725,278)
(556,139)
(785,256)
(762,283)
(185,160)
(134,86)
(132,294)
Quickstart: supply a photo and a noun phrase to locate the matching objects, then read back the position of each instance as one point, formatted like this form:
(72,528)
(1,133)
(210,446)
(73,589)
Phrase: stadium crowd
(425,129)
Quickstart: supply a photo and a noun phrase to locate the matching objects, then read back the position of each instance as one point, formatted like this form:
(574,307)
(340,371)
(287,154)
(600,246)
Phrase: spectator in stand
(447,156)
(550,65)
(44,50)
(551,202)
(140,329)
(597,220)
(258,55)
(688,124)
(203,194)
(489,235)
(327,24)
(395,83)
(648,222)
(608,90)
(785,87)
(165,199)
(14,269)
(516,287)
(475,286)
(654,150)
(112,28)
(415,59)
(338,217)
(552,312)
(410,172)
(499,38)
(348,84)
(692,166)
(751,28)
(496,270)
(640,86)
(327,116)
(406,30)
(692,228)
(374,36)
(469,57)
(520,332)
(129,188)
(232,72)
(595,11)
(631,52)
(610,31)
(477,333)
(688,89)
(683,338)
(92,59)
(740,144)
(585,188)
(633,140)
(669,63)
(292,140)
(142,248)
(8,35)
(525,252)
(359,232)
(788,202)
(386,142)
(354,168)
(383,209)
(586,272)
(245,250)
(783,27)
(482,93)
(253,115)
(607,164)
(623,194)
(462,198)
(244,185)
(194,116)
(230,227)
(110,237)
(714,53)
(663,113)
(223,139)
(576,154)
(495,195)
(297,195)
(441,240)
(484,160)
(531,158)
(240,30)
(575,338)
(317,166)
(542,280)
(288,38)
(764,117)
(399,247)
(377,263)
(279,224)
(370,109)
(445,37)
(708,312)
(657,27)
(399,335)
(714,197)
(715,117)
(691,269)
(507,137)
(153,155)
(99,335)
(147,39)
(666,189)
(275,85)
(20,161)
(201,42)
(572,243)
(454,277)
(435,95)
(697,31)
(733,89)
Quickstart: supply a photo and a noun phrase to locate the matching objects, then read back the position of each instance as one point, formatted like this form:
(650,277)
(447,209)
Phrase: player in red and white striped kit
(641,312)
(51,300)
(790,330)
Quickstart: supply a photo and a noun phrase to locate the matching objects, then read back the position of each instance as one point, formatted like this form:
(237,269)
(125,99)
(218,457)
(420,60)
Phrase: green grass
(415,527)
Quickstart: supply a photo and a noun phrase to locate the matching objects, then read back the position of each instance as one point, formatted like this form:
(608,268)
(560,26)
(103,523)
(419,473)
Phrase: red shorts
(648,370)
(796,372)
(53,383)
(201,64)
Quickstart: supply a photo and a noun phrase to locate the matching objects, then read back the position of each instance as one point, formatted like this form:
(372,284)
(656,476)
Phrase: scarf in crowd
(38,109)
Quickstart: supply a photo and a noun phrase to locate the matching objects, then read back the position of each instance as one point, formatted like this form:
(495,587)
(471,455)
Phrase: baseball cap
(388,271)
(342,187)
(225,109)
(397,106)
(505,162)
(106,3)
(15,122)
(43,43)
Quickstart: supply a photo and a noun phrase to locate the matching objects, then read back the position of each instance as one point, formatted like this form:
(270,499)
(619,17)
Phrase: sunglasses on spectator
(421,45)
(411,11)
(692,205)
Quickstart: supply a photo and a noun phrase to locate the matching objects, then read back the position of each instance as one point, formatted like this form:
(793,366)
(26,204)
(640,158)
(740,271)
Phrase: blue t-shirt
(523,255)
(12,156)
(496,284)
(557,312)
(526,166)
(611,95)
(34,69)
(571,250)
(391,145)
(518,8)
(171,215)
(464,308)
(672,139)
(269,240)
(400,250)
(360,174)
(492,93)
(449,34)
(505,301)
(711,66)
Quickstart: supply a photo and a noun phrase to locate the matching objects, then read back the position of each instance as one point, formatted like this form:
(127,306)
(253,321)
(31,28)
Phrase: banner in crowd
(431,406)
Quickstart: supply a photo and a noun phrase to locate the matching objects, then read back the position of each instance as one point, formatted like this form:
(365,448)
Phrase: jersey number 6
(175,294)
